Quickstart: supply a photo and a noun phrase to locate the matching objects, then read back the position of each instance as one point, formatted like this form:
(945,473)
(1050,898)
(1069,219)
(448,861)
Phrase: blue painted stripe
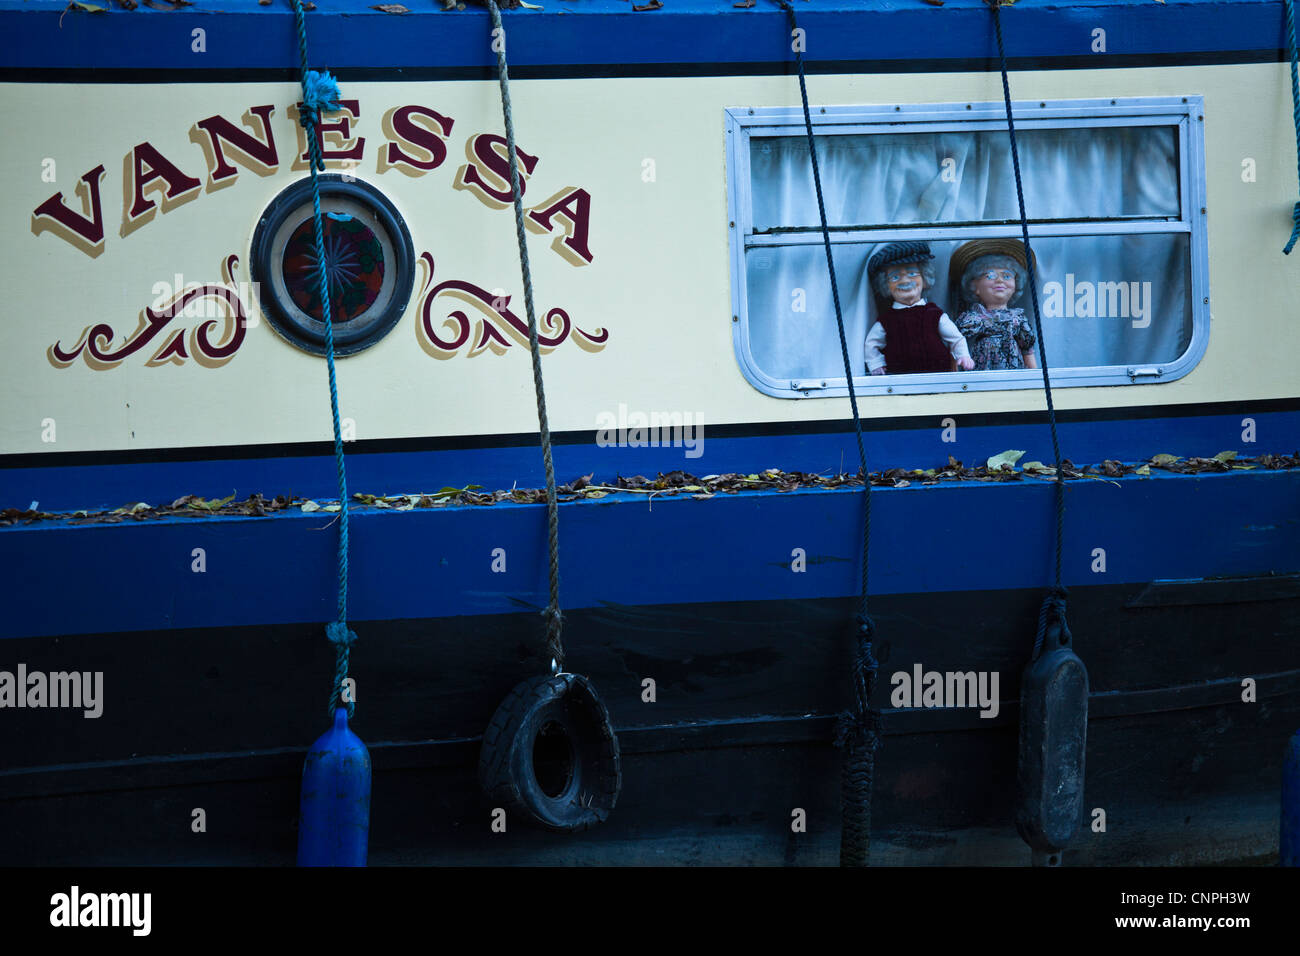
(575,37)
(434,563)
(66,488)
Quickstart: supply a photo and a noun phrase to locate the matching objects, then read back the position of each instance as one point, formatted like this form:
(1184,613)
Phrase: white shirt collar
(899,305)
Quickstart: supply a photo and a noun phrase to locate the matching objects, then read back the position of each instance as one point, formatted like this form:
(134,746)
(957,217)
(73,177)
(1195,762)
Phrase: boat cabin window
(1114,194)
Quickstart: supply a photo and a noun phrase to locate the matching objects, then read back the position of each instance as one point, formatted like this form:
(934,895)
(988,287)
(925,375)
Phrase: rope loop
(1051,612)
(554,647)
(342,638)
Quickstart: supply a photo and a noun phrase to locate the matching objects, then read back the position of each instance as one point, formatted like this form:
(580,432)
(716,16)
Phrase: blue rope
(1293,41)
(856,730)
(320,91)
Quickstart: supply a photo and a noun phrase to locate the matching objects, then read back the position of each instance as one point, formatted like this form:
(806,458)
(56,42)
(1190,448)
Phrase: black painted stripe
(1094,61)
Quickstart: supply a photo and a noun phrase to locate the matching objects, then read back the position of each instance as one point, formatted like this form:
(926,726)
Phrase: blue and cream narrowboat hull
(159,346)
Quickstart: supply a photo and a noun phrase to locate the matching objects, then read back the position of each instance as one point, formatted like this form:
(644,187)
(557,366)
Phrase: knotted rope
(554,620)
(1052,610)
(1054,603)
(1293,41)
(857,730)
(320,91)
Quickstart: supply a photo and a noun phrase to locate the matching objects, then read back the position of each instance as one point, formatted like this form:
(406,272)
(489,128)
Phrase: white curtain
(1095,173)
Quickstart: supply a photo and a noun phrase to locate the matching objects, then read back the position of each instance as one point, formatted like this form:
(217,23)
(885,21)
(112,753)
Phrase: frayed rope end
(320,92)
(1295,232)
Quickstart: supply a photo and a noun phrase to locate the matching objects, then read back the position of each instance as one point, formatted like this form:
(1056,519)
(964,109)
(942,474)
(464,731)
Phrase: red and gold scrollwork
(498,327)
(94,345)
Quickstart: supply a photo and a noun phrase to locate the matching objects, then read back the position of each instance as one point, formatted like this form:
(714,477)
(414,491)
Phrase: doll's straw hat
(968,252)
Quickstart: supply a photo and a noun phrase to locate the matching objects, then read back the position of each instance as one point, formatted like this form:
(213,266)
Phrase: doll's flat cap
(895,252)
(968,252)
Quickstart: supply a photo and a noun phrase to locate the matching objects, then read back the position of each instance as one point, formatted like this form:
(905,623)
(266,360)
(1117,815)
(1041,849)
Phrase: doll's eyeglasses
(1002,274)
(895,274)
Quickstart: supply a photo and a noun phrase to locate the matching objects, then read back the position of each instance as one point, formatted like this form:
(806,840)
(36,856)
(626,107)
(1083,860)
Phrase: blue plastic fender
(334,823)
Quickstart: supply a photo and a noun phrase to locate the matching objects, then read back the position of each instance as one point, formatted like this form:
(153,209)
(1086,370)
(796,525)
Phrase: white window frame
(1186,113)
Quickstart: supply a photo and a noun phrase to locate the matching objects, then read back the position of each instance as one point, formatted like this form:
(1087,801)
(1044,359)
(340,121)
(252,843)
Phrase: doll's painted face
(994,287)
(906,285)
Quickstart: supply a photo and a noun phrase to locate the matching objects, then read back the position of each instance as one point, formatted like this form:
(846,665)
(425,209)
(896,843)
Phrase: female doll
(993,276)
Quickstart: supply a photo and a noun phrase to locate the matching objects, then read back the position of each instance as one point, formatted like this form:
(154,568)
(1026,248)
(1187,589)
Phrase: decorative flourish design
(94,344)
(497,329)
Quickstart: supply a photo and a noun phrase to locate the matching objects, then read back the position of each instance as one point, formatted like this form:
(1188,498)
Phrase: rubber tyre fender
(506,771)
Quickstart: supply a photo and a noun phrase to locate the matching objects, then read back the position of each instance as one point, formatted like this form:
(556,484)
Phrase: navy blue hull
(737,739)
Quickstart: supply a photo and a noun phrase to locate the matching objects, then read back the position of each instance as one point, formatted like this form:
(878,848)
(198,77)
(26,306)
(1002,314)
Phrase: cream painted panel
(659,282)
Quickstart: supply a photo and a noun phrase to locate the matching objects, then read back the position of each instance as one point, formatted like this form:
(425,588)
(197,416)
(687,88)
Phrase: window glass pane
(1091,172)
(1106,300)
(790,344)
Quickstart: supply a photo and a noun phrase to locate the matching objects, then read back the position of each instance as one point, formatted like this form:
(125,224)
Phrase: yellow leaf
(1007,459)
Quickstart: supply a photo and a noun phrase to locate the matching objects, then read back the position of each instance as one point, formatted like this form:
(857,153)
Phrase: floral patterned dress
(996,337)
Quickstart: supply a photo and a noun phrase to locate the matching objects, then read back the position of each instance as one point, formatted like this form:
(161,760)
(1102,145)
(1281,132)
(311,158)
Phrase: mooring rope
(1293,41)
(554,620)
(320,91)
(1054,604)
(857,730)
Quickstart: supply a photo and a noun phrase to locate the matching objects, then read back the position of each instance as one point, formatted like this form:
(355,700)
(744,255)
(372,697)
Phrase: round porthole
(368,259)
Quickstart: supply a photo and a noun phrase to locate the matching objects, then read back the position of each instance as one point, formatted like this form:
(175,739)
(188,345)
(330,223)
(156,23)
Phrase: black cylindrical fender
(550,754)
(1053,743)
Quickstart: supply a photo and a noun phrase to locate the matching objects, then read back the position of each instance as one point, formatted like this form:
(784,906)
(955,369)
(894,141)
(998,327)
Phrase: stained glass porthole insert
(369,264)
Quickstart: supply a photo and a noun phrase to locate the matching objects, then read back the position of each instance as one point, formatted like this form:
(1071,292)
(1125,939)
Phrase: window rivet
(1207,300)
(890,389)
(731,225)
(823,109)
(1043,105)
(751,112)
(735,318)
(1202,210)
(1201,118)
(963,388)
